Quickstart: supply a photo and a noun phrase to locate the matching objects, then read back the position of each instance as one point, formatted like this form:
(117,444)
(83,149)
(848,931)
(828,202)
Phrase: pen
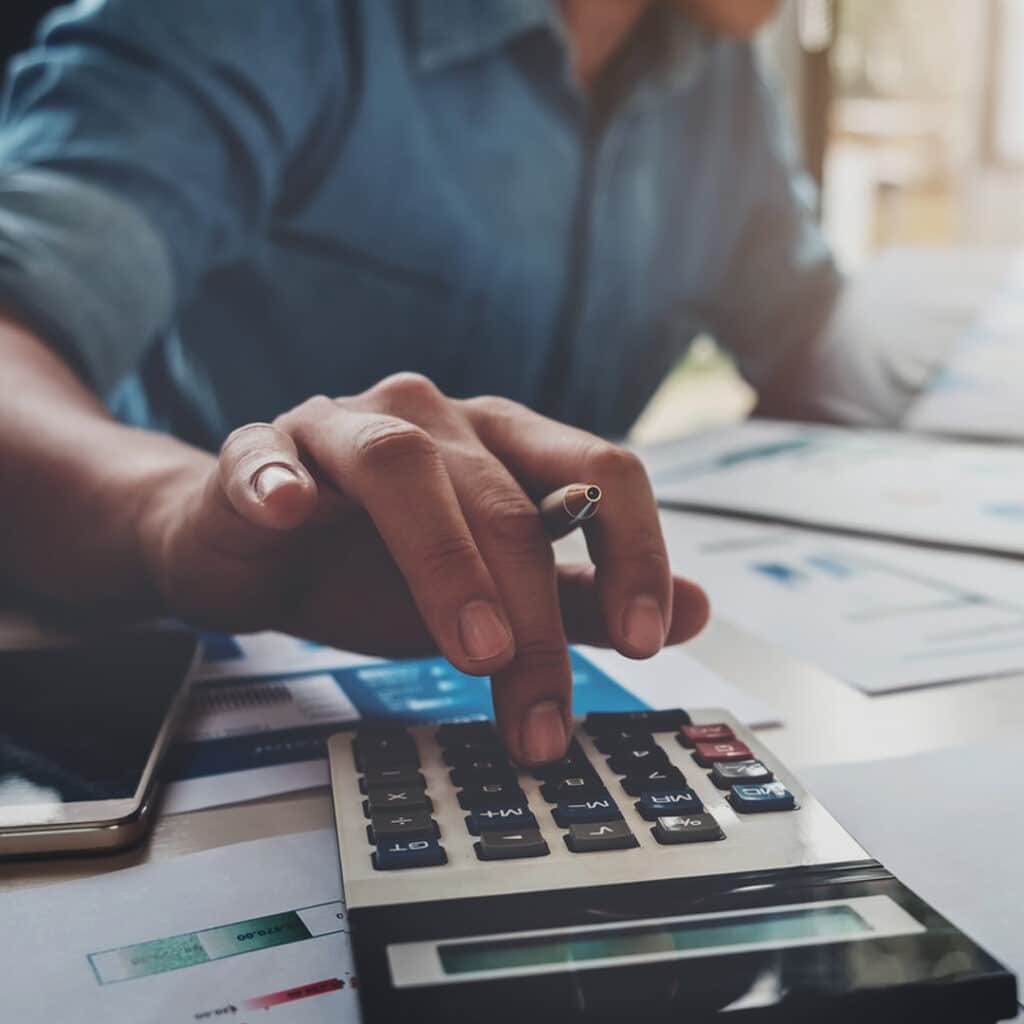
(563,510)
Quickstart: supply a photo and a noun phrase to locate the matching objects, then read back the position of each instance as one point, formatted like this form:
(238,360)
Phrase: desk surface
(825,721)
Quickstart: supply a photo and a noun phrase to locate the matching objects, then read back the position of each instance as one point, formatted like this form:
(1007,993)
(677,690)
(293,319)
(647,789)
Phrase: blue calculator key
(584,810)
(769,796)
(499,818)
(409,853)
(677,801)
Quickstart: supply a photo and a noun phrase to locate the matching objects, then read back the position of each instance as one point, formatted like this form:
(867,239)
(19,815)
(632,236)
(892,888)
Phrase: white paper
(67,945)
(270,698)
(880,616)
(980,390)
(948,825)
(880,483)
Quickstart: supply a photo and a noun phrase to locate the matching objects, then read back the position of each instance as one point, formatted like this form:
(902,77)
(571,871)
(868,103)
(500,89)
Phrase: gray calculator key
(384,799)
(522,842)
(726,774)
(401,825)
(687,828)
(600,835)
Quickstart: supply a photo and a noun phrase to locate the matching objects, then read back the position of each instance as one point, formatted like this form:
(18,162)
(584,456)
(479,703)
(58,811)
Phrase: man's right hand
(401,522)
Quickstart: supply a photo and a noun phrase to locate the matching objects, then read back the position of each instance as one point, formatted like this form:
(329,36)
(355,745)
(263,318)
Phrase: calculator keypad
(503,821)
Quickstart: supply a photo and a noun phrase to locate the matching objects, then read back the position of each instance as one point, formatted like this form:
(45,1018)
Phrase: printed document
(881,616)
(227,934)
(894,485)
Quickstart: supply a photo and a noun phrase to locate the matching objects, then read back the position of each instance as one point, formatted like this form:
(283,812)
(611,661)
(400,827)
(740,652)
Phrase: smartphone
(83,726)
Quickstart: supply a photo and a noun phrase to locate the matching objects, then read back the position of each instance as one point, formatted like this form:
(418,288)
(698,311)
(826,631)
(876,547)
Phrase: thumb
(261,480)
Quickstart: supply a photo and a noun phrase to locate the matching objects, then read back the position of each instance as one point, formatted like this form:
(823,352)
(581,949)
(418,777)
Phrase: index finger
(634,578)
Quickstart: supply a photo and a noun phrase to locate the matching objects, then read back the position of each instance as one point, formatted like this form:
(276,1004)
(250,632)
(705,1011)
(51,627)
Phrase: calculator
(667,867)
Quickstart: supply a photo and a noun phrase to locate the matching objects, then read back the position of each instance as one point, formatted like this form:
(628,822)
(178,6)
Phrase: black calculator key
(409,853)
(523,842)
(453,733)
(725,774)
(383,741)
(573,763)
(669,720)
(687,828)
(472,773)
(573,787)
(492,793)
(400,776)
(610,742)
(460,753)
(500,818)
(631,760)
(769,796)
(385,799)
(378,760)
(675,802)
(664,778)
(401,825)
(585,810)
(603,835)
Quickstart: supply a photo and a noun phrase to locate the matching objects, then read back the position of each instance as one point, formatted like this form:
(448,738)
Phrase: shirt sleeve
(814,345)
(144,143)
(777,284)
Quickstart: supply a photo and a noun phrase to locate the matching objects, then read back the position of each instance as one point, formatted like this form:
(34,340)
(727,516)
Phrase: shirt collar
(451,31)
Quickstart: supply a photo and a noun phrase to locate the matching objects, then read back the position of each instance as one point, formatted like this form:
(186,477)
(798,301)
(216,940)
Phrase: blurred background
(910,114)
(911,118)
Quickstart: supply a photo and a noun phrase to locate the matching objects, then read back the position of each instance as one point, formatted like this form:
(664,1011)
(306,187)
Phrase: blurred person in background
(303,307)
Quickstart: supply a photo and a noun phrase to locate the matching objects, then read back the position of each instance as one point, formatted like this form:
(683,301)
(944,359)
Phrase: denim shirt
(217,208)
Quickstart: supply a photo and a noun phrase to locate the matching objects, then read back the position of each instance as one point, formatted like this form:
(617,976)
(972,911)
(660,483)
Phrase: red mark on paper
(291,995)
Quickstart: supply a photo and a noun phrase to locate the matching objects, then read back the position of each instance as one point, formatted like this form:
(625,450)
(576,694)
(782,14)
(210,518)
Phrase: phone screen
(79,722)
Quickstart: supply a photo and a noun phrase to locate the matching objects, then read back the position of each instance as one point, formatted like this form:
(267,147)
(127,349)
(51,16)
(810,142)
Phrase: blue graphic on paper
(220,647)
(397,692)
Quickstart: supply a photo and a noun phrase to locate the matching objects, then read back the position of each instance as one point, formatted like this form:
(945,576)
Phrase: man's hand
(400,521)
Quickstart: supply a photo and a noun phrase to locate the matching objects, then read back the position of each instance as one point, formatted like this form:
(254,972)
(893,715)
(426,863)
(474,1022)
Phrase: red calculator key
(705,754)
(715,732)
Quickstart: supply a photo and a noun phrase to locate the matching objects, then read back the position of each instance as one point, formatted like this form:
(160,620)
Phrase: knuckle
(513,520)
(388,442)
(447,556)
(312,410)
(608,461)
(495,406)
(408,390)
(545,655)
(647,549)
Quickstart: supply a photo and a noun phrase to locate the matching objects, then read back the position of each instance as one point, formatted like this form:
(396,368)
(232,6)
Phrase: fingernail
(543,735)
(482,632)
(643,625)
(270,479)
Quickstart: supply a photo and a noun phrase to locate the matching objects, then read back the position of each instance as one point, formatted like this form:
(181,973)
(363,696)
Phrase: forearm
(80,491)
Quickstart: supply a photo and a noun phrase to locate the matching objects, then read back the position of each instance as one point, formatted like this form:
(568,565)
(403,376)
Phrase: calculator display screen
(825,923)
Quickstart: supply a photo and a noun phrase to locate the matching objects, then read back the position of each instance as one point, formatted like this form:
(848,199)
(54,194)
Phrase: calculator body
(641,876)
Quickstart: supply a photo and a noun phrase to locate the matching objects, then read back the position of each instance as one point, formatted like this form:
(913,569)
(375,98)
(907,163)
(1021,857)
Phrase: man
(215,214)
